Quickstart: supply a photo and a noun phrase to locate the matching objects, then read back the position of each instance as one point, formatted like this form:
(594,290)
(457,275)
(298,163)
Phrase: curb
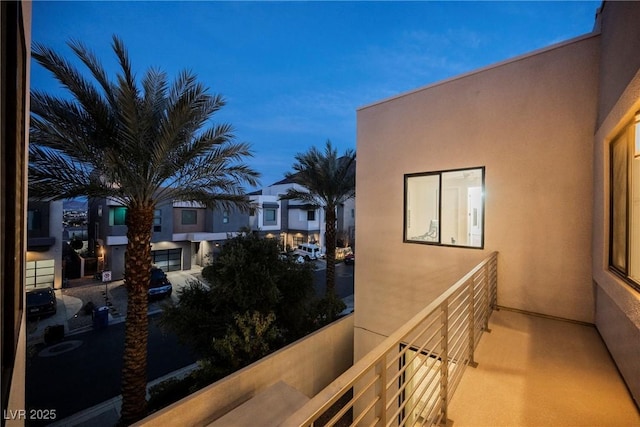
(107,413)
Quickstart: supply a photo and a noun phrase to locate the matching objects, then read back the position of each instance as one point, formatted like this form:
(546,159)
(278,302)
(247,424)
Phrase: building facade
(15,42)
(44,245)
(185,234)
(537,158)
(294,222)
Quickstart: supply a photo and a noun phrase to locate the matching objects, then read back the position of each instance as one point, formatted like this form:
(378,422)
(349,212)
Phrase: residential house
(535,159)
(44,245)
(185,234)
(292,221)
(15,42)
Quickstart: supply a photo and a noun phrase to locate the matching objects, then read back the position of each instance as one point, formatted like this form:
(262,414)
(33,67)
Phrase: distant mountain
(74,205)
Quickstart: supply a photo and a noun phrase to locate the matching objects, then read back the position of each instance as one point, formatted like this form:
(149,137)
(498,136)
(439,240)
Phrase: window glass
(34,221)
(118,215)
(445,208)
(624,245)
(189,217)
(311,215)
(270,216)
(225,217)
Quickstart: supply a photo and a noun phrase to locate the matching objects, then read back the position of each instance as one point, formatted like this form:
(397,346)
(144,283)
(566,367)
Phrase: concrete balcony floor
(535,371)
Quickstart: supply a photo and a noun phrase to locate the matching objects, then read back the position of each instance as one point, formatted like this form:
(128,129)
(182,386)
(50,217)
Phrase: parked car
(350,259)
(309,251)
(159,286)
(41,302)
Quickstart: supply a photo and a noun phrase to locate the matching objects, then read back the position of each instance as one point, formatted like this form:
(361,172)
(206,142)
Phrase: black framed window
(445,207)
(624,203)
(189,217)
(311,215)
(118,215)
(157,220)
(270,216)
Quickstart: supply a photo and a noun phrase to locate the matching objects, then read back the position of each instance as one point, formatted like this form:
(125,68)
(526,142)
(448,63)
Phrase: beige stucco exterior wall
(308,365)
(618,305)
(530,122)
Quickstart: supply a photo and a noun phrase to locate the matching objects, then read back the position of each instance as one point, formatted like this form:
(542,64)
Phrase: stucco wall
(618,305)
(308,365)
(530,122)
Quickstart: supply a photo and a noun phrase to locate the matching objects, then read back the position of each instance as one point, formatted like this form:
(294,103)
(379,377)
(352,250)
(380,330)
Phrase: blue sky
(294,73)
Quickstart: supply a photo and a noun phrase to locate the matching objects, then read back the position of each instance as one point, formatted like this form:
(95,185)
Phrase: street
(344,280)
(86,370)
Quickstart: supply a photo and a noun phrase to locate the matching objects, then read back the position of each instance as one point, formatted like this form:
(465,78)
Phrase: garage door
(168,260)
(40,273)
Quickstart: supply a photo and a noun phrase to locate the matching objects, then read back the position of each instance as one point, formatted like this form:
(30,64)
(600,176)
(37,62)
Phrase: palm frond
(328,177)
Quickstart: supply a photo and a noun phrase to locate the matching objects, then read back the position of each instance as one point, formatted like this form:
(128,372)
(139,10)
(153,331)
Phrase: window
(189,217)
(157,220)
(34,220)
(311,215)
(445,208)
(624,245)
(118,215)
(270,216)
(225,217)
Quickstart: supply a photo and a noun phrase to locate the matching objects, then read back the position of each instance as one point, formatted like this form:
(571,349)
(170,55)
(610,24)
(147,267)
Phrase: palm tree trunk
(330,240)
(136,276)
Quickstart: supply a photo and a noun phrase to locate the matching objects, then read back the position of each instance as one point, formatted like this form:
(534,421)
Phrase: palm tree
(139,144)
(330,181)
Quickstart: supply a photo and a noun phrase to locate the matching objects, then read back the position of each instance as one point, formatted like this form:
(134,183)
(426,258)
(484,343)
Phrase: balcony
(524,370)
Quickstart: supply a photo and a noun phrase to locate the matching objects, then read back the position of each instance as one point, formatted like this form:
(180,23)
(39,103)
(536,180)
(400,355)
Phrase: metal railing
(411,376)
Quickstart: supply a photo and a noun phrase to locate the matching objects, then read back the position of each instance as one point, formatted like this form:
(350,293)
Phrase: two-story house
(291,221)
(44,245)
(294,222)
(185,234)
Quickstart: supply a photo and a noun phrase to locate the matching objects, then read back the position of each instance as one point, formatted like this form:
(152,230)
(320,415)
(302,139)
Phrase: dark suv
(41,302)
(159,286)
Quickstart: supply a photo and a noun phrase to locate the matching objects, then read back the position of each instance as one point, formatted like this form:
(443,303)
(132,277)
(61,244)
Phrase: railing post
(494,282)
(487,296)
(444,361)
(472,323)
(381,390)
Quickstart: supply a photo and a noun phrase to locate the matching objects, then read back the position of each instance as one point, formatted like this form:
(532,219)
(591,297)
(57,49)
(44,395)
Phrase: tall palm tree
(329,181)
(139,144)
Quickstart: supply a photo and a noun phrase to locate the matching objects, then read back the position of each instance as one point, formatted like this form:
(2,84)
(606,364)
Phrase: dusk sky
(294,73)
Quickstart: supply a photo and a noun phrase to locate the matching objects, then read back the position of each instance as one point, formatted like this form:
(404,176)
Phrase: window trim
(440,173)
(627,136)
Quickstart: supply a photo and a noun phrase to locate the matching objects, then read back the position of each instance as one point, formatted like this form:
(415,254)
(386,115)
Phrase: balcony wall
(308,365)
(530,122)
(617,303)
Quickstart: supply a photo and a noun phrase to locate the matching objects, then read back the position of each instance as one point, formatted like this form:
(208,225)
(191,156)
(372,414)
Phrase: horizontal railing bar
(366,411)
(430,374)
(409,345)
(330,394)
(413,357)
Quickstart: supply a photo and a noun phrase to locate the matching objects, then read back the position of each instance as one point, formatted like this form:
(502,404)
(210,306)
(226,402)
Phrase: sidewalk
(72,300)
(74,297)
